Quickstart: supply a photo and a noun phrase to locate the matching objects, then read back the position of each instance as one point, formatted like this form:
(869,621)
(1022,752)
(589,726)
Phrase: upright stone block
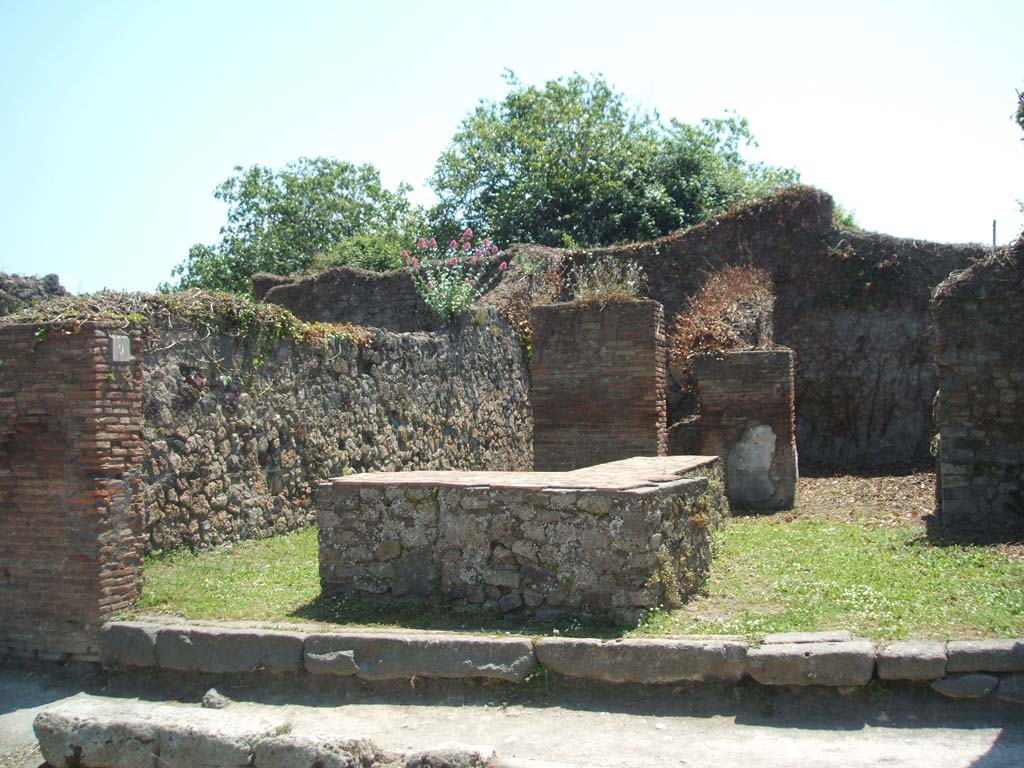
(747,417)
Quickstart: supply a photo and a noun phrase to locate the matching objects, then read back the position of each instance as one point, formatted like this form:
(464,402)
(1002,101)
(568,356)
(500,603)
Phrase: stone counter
(609,541)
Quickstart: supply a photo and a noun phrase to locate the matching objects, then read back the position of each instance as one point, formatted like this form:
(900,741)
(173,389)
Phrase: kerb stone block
(128,644)
(404,656)
(832,664)
(227,651)
(912,660)
(644,662)
(985,656)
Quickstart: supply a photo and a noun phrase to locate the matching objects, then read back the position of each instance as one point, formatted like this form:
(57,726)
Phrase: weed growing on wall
(452,279)
(602,280)
(732,310)
(206,312)
(537,277)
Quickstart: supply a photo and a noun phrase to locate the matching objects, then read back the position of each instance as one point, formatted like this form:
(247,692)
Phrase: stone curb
(370,656)
(833,659)
(843,663)
(644,662)
(389,657)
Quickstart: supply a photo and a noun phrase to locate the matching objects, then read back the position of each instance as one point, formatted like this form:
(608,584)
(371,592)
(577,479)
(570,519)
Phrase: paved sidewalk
(605,727)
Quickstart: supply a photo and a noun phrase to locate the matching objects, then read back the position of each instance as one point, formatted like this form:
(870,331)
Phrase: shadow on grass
(424,615)
(882,470)
(939,535)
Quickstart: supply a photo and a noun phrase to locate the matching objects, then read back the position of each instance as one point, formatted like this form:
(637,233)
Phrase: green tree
(1018,116)
(704,172)
(573,162)
(318,209)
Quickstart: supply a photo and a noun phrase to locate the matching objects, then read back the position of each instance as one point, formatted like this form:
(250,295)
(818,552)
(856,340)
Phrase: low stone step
(89,732)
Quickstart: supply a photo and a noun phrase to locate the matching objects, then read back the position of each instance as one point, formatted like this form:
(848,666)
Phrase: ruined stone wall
(70,514)
(597,383)
(18,291)
(979,313)
(348,295)
(747,418)
(852,305)
(111,443)
(238,434)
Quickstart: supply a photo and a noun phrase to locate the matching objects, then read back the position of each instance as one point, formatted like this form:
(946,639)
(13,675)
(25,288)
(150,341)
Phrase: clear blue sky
(119,118)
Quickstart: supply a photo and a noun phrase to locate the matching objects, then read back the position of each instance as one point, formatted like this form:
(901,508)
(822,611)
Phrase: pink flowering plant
(452,279)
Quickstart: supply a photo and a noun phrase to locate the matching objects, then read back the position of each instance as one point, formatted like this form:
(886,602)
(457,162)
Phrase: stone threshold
(86,732)
(961,669)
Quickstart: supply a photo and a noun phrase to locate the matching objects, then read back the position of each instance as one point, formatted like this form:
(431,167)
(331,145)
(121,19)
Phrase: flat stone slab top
(640,474)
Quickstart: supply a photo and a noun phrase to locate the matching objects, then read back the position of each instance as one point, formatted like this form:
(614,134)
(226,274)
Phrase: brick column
(70,507)
(597,383)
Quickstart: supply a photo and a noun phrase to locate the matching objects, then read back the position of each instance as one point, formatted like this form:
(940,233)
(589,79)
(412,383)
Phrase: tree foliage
(1018,116)
(573,163)
(312,209)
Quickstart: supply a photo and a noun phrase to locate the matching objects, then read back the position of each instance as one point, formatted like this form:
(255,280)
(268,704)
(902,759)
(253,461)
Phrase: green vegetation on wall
(206,312)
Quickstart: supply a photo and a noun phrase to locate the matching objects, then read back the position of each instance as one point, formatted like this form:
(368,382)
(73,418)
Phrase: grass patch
(882,582)
(277,581)
(852,556)
(264,580)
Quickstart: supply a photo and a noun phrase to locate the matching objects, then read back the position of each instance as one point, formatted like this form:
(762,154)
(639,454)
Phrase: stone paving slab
(635,474)
(92,732)
(810,729)
(1011,688)
(89,733)
(969,686)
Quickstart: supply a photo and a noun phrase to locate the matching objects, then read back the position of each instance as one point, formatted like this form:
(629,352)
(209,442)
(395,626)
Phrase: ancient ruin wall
(979,313)
(347,295)
(18,291)
(70,450)
(110,443)
(238,435)
(597,383)
(852,305)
